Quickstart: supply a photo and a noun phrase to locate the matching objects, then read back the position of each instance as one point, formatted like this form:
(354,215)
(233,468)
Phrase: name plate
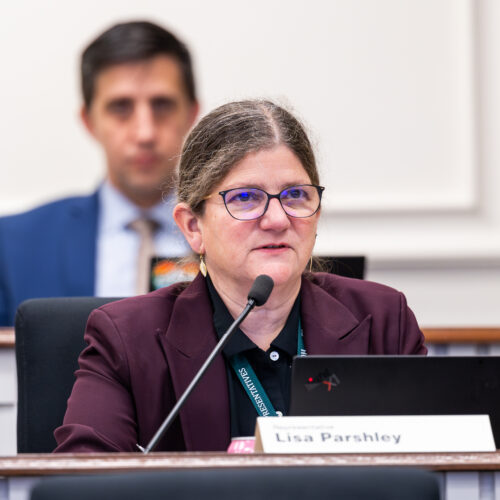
(380,434)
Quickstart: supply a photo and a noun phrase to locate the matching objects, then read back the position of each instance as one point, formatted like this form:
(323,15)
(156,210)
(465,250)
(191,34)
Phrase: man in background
(139,103)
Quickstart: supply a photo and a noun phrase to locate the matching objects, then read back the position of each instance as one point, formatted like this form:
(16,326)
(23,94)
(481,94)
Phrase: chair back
(351,266)
(49,339)
(277,483)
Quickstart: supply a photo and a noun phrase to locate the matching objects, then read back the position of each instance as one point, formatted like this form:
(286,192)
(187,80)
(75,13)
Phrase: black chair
(49,338)
(351,266)
(276,483)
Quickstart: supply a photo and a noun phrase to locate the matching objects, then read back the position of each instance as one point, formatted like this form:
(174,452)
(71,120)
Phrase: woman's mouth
(274,247)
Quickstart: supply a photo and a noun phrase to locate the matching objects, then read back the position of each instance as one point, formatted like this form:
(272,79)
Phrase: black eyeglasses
(246,203)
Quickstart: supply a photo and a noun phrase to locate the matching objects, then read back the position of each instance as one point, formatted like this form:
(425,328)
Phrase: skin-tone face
(140,115)
(235,251)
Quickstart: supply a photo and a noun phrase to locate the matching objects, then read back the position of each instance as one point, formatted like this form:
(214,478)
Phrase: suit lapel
(79,247)
(187,343)
(329,327)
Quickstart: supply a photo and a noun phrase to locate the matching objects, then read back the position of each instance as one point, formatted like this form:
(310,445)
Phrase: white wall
(401,98)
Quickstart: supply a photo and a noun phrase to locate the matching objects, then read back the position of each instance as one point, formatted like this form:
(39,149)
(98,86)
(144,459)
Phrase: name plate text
(375,434)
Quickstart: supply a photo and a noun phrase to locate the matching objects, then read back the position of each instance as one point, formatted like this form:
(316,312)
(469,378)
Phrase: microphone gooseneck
(257,296)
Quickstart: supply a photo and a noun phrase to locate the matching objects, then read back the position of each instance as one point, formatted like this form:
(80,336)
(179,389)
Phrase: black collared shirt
(272,367)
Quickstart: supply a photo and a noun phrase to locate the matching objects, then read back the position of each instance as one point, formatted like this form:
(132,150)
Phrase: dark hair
(224,136)
(132,42)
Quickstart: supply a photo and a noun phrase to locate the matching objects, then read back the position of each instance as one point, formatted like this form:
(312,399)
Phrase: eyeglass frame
(319,189)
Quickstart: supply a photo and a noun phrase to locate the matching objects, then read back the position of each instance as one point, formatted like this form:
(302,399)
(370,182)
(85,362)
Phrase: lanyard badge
(251,382)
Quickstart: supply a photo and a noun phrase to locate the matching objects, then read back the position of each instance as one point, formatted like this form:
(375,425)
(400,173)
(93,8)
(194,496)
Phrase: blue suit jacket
(48,252)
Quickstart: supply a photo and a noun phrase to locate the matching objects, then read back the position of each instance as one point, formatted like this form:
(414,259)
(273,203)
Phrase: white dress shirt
(118,246)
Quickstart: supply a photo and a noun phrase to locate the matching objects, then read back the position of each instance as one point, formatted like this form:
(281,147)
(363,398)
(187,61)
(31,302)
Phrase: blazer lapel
(79,247)
(188,341)
(329,327)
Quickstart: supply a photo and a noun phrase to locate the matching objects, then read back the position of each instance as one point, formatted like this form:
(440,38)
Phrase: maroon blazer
(143,352)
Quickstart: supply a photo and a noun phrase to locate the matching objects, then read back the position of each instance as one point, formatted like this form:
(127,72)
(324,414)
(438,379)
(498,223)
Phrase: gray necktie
(146,229)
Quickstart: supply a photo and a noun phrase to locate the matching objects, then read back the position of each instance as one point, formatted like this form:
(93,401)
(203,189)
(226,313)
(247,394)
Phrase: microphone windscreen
(261,289)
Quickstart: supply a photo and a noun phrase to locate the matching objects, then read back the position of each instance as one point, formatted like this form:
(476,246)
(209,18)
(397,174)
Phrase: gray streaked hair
(223,138)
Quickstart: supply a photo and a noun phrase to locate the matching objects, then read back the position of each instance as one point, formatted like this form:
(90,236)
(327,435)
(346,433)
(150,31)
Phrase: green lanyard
(251,383)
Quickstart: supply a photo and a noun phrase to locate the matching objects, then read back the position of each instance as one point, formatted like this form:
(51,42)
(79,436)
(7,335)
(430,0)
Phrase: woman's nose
(275,217)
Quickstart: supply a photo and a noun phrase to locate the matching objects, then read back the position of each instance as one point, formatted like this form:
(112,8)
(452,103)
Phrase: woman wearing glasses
(249,204)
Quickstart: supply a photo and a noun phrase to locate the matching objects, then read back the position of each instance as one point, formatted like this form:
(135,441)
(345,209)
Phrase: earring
(203,267)
(311,264)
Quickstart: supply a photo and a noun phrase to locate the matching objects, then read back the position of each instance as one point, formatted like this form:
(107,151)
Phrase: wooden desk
(463,474)
(7,337)
(445,335)
(437,335)
(34,466)
(48,464)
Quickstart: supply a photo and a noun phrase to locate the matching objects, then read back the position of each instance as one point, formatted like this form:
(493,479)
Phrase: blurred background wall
(401,98)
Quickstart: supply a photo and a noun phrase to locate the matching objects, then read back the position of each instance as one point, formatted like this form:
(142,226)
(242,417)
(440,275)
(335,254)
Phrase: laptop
(166,271)
(397,385)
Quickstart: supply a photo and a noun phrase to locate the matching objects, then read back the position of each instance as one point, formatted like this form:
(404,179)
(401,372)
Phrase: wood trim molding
(445,335)
(438,335)
(48,464)
(7,337)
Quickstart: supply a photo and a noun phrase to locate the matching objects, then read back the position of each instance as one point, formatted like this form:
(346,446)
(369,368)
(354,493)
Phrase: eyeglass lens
(251,203)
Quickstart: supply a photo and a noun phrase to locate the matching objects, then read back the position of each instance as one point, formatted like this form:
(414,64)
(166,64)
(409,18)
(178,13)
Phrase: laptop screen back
(397,385)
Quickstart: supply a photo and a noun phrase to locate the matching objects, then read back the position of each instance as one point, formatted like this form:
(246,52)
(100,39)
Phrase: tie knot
(144,226)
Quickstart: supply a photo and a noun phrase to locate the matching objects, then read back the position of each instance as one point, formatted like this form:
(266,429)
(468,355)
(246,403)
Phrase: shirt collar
(117,210)
(239,342)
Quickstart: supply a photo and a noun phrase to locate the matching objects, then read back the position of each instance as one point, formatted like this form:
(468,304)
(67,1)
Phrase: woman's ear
(190,226)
